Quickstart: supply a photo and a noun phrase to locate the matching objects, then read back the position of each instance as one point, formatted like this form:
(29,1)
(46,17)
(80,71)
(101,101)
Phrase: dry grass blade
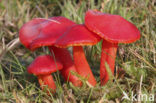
(140,87)
(142,59)
(10,46)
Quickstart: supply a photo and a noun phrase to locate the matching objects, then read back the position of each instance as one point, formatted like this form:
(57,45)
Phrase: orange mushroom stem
(68,65)
(108,55)
(82,65)
(47,80)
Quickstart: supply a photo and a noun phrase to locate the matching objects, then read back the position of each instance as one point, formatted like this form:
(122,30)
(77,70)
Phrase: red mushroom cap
(43,65)
(43,32)
(113,28)
(77,35)
(51,33)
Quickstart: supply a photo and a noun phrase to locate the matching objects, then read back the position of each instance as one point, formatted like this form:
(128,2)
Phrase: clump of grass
(136,62)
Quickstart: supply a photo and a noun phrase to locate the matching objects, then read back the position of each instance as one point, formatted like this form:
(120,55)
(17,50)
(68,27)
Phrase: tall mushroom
(44,32)
(77,36)
(113,29)
(42,67)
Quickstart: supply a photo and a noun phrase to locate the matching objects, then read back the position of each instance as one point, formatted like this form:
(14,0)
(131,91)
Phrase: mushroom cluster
(59,33)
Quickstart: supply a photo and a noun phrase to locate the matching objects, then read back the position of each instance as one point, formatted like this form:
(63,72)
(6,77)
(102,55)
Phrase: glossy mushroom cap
(43,32)
(112,28)
(77,35)
(43,65)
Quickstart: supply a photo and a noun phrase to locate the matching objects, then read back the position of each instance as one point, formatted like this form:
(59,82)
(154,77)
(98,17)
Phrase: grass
(136,62)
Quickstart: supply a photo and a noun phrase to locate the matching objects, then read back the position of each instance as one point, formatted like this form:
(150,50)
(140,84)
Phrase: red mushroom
(113,29)
(42,67)
(44,32)
(77,36)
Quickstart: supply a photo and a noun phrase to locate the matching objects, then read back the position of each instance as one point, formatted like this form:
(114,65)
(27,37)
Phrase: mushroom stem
(47,80)
(108,56)
(82,65)
(64,56)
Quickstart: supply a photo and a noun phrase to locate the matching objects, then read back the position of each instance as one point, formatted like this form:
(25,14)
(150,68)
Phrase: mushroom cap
(43,65)
(77,35)
(112,28)
(43,32)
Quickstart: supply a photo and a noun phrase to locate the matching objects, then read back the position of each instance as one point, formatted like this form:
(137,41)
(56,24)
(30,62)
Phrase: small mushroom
(42,67)
(77,36)
(113,29)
